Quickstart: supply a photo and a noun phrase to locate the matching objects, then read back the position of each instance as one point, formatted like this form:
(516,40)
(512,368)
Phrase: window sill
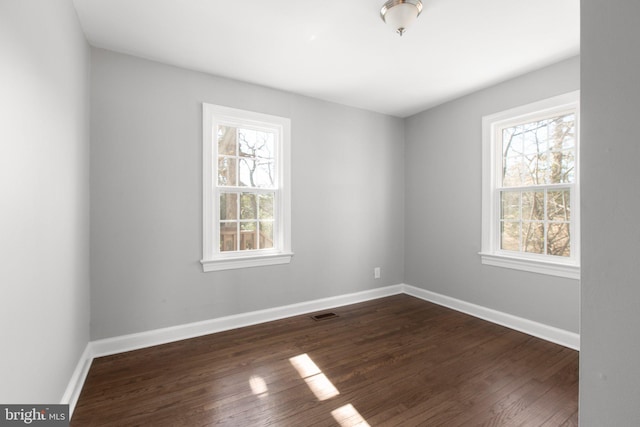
(230,263)
(569,271)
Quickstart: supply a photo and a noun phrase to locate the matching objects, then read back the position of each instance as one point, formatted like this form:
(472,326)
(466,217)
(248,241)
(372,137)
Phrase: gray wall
(146,210)
(44,199)
(609,360)
(443,204)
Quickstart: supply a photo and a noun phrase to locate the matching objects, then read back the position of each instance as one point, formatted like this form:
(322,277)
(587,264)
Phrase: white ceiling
(340,50)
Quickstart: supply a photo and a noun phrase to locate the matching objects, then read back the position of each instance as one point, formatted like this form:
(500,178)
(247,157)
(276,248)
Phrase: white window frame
(213,259)
(491,254)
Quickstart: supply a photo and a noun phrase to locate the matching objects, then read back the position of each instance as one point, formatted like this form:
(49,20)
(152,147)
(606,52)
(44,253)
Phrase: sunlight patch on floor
(258,386)
(313,376)
(348,416)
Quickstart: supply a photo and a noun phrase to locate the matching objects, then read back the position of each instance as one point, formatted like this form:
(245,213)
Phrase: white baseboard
(124,343)
(72,393)
(108,346)
(540,330)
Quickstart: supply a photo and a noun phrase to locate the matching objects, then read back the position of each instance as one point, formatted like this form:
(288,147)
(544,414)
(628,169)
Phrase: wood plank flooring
(395,361)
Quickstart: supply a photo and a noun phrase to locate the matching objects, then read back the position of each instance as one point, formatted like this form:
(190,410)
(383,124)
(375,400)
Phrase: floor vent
(324,316)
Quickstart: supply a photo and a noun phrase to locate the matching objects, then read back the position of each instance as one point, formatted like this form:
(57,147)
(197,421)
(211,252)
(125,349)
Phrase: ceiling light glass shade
(400,14)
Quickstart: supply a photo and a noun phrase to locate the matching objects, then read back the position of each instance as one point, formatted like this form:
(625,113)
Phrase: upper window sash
(492,186)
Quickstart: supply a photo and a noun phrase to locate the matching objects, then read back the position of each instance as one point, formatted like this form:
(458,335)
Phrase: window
(530,196)
(246,200)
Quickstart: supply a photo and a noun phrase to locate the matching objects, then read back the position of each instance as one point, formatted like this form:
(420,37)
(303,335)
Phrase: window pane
(535,153)
(247,172)
(562,165)
(265,203)
(510,205)
(533,237)
(226,140)
(512,156)
(267,148)
(247,142)
(510,236)
(533,205)
(569,141)
(562,132)
(228,236)
(228,206)
(542,138)
(537,169)
(535,139)
(266,234)
(539,152)
(254,143)
(227,171)
(512,171)
(512,141)
(248,207)
(257,173)
(558,205)
(248,236)
(264,175)
(558,240)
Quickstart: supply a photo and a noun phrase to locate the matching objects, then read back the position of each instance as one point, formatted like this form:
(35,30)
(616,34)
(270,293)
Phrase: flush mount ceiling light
(400,14)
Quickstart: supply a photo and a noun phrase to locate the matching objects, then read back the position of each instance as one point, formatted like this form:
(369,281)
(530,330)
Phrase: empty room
(332,213)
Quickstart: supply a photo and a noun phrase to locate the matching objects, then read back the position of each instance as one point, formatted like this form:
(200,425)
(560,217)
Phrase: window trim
(212,258)
(490,253)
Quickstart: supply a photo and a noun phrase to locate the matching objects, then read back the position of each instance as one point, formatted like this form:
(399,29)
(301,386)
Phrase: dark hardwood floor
(396,361)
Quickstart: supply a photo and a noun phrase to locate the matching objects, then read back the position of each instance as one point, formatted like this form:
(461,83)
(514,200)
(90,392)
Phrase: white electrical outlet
(376,273)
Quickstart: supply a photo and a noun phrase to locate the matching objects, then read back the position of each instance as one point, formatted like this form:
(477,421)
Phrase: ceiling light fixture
(400,14)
